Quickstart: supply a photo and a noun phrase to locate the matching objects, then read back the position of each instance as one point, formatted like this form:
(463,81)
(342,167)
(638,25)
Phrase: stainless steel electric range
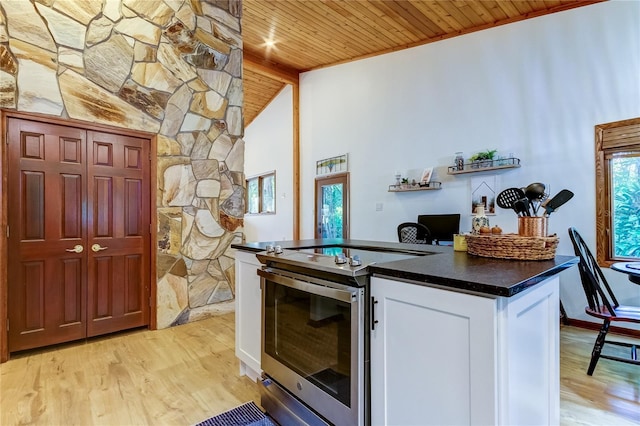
(315,333)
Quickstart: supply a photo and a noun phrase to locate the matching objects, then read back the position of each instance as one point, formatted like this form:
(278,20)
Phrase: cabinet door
(432,356)
(530,364)
(248,313)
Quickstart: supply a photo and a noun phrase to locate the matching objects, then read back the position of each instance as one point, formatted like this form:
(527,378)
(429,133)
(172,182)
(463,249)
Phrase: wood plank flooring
(610,397)
(185,374)
(176,376)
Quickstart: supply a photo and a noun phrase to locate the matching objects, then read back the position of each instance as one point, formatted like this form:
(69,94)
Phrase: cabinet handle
(374,321)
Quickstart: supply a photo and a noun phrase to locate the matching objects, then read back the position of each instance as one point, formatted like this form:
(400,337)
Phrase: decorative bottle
(479,220)
(459,161)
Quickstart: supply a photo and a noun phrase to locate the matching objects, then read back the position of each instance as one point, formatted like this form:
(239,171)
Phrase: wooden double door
(78,235)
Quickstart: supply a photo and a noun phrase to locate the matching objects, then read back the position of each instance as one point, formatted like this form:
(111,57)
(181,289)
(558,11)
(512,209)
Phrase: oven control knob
(278,249)
(355,260)
(270,248)
(340,259)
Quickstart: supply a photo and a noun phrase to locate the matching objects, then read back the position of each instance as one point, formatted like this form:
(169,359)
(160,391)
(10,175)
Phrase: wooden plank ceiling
(311,34)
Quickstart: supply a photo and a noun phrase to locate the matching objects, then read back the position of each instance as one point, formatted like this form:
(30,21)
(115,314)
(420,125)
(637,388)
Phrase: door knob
(76,249)
(97,247)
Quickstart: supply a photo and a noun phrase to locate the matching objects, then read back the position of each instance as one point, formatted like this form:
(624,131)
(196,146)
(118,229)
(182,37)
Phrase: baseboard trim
(596,326)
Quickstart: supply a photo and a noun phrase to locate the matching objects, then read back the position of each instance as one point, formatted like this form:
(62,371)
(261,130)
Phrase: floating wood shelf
(408,188)
(485,166)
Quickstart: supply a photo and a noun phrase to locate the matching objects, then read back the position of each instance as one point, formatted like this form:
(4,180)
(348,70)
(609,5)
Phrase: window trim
(260,177)
(605,148)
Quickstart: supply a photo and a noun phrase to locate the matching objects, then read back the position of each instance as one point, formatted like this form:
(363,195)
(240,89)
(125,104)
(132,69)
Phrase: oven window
(311,335)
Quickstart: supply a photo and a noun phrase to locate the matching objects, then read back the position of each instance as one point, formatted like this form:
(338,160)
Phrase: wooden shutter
(620,134)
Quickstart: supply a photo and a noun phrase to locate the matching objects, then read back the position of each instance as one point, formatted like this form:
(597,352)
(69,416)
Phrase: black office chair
(414,233)
(602,304)
(442,226)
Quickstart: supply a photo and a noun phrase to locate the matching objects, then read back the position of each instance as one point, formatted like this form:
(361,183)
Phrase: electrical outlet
(378,207)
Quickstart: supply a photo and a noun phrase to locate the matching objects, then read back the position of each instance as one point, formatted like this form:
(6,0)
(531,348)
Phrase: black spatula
(522,207)
(559,199)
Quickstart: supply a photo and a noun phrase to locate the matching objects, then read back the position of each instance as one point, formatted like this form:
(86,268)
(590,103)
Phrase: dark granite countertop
(444,267)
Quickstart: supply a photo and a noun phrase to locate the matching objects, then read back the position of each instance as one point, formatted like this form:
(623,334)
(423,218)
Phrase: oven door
(313,343)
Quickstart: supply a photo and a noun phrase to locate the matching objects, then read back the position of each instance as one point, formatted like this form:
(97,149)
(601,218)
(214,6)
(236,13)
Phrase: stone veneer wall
(173,68)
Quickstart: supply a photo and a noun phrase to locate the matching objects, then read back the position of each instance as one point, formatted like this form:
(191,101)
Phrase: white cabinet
(442,357)
(248,314)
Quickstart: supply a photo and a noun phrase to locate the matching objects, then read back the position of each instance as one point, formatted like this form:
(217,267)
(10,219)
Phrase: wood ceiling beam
(296,161)
(262,66)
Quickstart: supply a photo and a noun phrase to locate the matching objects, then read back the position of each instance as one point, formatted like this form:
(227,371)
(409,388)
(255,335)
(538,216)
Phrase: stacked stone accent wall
(172,68)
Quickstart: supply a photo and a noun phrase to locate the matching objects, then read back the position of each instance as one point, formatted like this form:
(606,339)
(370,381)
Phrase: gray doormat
(247,414)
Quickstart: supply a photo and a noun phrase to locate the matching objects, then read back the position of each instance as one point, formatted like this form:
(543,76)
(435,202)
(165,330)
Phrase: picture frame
(483,193)
(426,175)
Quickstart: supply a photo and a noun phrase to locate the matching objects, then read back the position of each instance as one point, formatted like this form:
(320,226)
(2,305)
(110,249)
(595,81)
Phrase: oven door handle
(317,289)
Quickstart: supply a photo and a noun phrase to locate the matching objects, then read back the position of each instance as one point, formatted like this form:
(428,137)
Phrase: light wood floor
(176,376)
(185,374)
(610,397)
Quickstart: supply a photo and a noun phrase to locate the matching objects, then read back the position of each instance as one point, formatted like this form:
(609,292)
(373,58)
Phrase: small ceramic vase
(479,220)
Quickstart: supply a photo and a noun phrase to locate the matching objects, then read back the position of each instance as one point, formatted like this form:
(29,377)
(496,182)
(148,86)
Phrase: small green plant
(484,155)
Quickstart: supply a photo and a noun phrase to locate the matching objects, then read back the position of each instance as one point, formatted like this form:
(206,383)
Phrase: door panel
(33,296)
(118,290)
(71,206)
(47,290)
(103,282)
(134,296)
(133,220)
(73,282)
(103,203)
(33,217)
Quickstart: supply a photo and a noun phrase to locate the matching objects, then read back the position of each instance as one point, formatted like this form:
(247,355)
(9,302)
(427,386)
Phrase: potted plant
(483,158)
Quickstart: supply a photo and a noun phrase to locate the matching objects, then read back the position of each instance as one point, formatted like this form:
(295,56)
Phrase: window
(618,191)
(261,192)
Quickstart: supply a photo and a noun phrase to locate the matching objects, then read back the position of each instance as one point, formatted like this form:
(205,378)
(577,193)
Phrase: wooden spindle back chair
(602,304)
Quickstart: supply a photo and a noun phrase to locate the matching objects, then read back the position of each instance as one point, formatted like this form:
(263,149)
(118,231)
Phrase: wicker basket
(512,246)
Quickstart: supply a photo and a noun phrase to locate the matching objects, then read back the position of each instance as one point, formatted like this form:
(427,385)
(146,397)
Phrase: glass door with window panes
(332,206)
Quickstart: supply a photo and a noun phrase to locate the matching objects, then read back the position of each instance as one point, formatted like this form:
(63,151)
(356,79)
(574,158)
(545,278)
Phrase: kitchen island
(455,339)
(457,271)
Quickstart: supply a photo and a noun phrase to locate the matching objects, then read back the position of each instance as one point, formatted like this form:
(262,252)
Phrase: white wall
(535,88)
(269,146)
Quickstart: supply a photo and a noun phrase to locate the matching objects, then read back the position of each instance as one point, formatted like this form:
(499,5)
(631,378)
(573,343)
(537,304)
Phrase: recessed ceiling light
(270,39)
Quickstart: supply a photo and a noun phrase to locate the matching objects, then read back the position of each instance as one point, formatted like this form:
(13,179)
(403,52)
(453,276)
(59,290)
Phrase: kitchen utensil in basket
(559,199)
(522,206)
(507,198)
(535,192)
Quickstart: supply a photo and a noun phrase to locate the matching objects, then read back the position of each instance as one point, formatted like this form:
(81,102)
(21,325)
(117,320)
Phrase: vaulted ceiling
(282,38)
